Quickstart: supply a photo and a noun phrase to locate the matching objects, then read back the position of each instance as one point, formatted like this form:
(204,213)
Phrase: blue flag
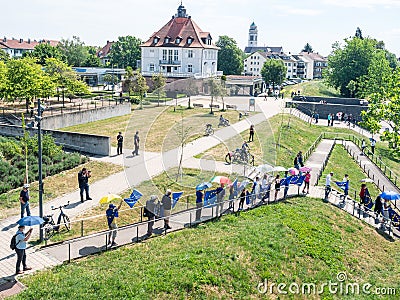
(286,181)
(297,180)
(248,197)
(210,198)
(344,185)
(133,198)
(175,198)
(235,188)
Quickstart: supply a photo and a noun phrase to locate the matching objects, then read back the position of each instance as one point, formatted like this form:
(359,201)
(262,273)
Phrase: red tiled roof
(314,56)
(25,45)
(103,52)
(180,27)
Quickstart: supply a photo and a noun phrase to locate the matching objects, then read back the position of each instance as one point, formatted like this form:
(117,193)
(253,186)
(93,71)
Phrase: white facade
(254,63)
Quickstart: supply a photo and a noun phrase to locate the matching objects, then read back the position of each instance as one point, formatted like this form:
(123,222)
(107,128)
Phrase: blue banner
(133,198)
(286,181)
(175,198)
(297,179)
(248,197)
(235,188)
(210,198)
(344,185)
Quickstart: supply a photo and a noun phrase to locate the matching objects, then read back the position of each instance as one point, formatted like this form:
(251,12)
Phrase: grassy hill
(312,88)
(302,240)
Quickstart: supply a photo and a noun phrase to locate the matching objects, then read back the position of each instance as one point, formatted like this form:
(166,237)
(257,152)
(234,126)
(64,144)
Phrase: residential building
(180,49)
(317,61)
(16,48)
(104,53)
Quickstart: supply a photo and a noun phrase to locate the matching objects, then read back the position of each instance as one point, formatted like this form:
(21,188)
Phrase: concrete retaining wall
(329,100)
(85,116)
(86,143)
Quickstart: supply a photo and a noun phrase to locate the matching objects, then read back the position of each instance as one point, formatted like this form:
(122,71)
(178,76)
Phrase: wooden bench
(228,106)
(214,105)
(198,105)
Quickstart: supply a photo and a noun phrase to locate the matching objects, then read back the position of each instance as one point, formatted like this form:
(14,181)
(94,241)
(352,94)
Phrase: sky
(287,23)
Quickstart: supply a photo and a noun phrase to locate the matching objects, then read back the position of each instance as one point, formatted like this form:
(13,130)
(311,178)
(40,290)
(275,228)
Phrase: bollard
(81,228)
(106,241)
(141,214)
(137,234)
(187,202)
(69,252)
(190,219)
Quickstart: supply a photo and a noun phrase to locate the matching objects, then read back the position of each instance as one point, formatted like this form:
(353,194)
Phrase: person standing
(277,181)
(300,159)
(24,199)
(220,198)
(199,204)
(307,183)
(242,198)
(136,141)
(151,213)
(328,188)
(378,206)
(363,146)
(286,184)
(83,180)
(21,238)
(120,141)
(251,135)
(296,162)
(167,205)
(346,186)
(329,119)
(373,142)
(112,213)
(316,118)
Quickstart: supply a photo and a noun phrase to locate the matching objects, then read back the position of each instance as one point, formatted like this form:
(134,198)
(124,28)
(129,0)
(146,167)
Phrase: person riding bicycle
(223,121)
(245,150)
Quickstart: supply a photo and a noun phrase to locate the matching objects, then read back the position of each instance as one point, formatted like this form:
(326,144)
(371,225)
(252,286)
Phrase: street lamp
(38,119)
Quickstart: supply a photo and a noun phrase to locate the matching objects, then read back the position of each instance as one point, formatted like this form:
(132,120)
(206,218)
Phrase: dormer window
(156,39)
(167,39)
(190,40)
(178,40)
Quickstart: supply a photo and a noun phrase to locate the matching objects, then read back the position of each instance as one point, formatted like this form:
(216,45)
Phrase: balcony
(170,62)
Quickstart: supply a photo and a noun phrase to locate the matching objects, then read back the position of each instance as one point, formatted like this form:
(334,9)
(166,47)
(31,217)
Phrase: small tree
(159,82)
(273,72)
(191,89)
(140,87)
(215,91)
(183,133)
(307,48)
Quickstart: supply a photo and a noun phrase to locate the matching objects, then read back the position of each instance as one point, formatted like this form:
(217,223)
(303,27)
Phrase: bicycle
(223,123)
(209,130)
(50,227)
(239,156)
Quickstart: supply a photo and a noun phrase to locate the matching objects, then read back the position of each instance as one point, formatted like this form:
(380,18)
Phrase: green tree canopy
(43,51)
(230,56)
(159,82)
(125,52)
(307,48)
(4,56)
(92,59)
(74,51)
(274,71)
(3,79)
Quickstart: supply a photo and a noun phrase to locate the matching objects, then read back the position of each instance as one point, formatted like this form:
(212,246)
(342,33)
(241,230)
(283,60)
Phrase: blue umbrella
(30,221)
(390,195)
(203,186)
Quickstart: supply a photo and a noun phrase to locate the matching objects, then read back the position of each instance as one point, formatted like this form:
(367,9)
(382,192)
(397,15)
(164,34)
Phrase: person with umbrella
(364,194)
(307,182)
(112,213)
(21,238)
(24,199)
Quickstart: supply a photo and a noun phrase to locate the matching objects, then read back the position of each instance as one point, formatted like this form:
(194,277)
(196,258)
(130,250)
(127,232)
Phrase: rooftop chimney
(4,39)
(21,40)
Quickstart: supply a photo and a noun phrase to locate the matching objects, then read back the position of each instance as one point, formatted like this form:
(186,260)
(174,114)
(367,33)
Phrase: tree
(110,79)
(43,51)
(4,56)
(191,88)
(26,80)
(126,52)
(216,90)
(140,86)
(350,63)
(183,133)
(3,79)
(64,78)
(128,83)
(307,48)
(159,82)
(92,59)
(230,57)
(74,51)
(273,72)
(358,33)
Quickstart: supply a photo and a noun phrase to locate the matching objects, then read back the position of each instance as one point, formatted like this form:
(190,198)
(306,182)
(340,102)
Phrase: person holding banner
(328,187)
(307,183)
(167,205)
(199,204)
(112,213)
(150,213)
(220,198)
(346,186)
(242,198)
(277,181)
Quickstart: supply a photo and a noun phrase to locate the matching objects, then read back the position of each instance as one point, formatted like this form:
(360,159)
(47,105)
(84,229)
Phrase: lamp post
(38,119)
(113,83)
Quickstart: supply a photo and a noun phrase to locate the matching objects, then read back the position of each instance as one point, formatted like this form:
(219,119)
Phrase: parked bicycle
(240,156)
(50,227)
(209,130)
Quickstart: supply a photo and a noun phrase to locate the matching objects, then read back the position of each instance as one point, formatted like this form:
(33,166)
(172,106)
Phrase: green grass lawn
(312,88)
(302,240)
(341,163)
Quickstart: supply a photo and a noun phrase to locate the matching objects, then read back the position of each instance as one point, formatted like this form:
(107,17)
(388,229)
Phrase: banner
(175,198)
(235,188)
(297,179)
(210,198)
(344,185)
(133,198)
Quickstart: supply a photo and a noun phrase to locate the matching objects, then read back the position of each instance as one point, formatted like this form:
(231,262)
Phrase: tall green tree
(3,79)
(230,56)
(159,82)
(4,56)
(125,52)
(44,51)
(307,48)
(274,72)
(74,51)
(92,59)
(64,78)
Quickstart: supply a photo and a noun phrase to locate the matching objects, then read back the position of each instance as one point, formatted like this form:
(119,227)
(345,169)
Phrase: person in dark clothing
(21,238)
(83,180)
(136,141)
(112,214)
(251,136)
(296,162)
(120,141)
(242,199)
(277,186)
(378,206)
(151,213)
(24,199)
(300,159)
(199,204)
(167,205)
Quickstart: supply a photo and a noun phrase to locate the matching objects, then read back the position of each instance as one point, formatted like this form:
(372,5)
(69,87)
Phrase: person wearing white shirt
(328,188)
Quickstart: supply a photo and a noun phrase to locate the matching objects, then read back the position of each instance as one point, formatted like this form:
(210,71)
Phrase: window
(190,53)
(151,68)
(189,40)
(164,54)
(170,55)
(151,53)
(190,68)
(156,39)
(178,40)
(175,68)
(166,40)
(176,55)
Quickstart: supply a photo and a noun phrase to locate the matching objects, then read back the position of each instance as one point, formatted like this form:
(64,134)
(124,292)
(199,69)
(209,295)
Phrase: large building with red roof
(16,48)
(180,49)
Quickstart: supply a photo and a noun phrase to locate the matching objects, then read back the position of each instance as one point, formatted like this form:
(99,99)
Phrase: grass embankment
(55,186)
(299,136)
(341,163)
(157,186)
(157,126)
(315,88)
(301,241)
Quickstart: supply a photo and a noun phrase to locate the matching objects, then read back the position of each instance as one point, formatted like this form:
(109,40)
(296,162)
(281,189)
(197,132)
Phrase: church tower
(253,32)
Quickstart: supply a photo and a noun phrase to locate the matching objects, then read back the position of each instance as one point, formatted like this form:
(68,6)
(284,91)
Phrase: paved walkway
(137,170)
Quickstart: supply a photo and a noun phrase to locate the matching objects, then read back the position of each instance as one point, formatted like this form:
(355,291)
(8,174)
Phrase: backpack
(13,243)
